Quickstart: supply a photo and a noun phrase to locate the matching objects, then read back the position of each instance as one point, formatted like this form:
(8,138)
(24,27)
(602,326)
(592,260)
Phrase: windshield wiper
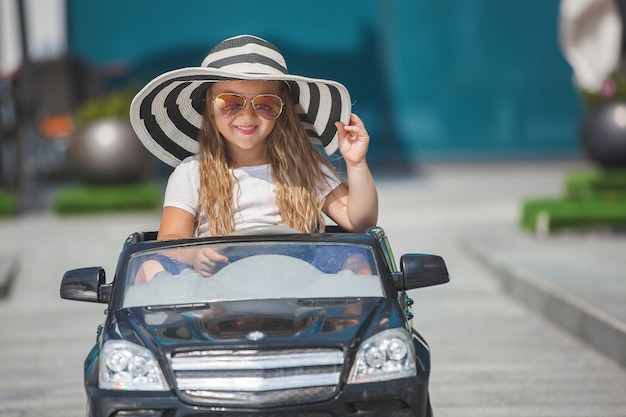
(179,307)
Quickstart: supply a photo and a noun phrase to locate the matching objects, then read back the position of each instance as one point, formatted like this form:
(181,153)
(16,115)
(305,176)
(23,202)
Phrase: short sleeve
(330,182)
(183,186)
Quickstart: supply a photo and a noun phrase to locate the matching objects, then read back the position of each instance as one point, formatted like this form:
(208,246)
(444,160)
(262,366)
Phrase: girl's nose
(247,108)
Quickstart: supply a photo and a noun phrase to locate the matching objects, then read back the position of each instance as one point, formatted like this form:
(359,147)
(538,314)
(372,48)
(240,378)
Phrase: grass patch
(569,214)
(592,199)
(608,184)
(8,204)
(92,199)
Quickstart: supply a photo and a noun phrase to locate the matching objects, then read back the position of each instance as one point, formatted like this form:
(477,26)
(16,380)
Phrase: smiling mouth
(247,128)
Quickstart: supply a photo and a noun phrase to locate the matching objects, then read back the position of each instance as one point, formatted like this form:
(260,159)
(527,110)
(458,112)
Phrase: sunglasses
(267,106)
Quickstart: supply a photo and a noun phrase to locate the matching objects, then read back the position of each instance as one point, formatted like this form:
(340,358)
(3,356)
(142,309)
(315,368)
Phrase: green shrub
(87,199)
(570,214)
(114,105)
(8,204)
(608,184)
(592,199)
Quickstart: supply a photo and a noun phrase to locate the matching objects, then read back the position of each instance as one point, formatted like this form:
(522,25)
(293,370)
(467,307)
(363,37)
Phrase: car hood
(260,322)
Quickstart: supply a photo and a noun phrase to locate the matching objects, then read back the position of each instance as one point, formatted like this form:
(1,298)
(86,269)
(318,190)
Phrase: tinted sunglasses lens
(268,106)
(228,105)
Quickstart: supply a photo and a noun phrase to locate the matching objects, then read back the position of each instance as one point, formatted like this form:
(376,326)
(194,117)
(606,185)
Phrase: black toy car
(291,325)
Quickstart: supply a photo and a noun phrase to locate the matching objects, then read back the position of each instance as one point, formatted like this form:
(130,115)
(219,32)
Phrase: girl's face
(246,132)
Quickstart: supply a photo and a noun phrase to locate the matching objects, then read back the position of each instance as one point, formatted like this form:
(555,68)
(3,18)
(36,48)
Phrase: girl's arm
(354,207)
(176,223)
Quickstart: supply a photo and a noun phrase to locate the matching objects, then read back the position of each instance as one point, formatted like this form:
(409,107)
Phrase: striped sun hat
(167,113)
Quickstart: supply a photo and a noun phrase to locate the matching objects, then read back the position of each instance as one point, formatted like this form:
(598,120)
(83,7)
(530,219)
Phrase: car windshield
(250,270)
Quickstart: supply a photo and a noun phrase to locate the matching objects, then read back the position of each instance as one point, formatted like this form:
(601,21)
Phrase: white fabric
(254,194)
(591,38)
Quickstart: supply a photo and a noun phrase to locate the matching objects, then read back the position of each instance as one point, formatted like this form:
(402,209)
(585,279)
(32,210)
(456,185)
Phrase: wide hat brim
(167,113)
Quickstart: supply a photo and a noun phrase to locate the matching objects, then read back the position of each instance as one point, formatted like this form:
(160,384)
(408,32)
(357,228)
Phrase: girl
(241,132)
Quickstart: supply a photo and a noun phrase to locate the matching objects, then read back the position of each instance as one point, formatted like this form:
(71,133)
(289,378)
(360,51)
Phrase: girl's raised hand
(353,140)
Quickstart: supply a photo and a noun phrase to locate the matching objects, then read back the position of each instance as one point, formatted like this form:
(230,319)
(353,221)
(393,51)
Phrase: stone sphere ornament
(107,151)
(603,134)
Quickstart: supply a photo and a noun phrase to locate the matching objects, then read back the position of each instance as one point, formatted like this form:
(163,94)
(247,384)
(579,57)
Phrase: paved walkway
(492,356)
(575,279)
(8,266)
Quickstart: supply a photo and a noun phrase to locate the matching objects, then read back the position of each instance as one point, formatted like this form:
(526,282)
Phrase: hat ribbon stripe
(161,108)
(313,102)
(245,61)
(173,103)
(153,129)
(191,103)
(198,98)
(241,46)
(334,114)
(294,89)
(163,141)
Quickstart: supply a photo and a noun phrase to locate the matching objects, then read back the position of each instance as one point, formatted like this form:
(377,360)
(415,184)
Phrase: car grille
(257,378)
(270,414)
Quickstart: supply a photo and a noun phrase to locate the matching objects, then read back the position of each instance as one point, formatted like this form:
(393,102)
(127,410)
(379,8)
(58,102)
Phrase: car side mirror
(86,284)
(420,270)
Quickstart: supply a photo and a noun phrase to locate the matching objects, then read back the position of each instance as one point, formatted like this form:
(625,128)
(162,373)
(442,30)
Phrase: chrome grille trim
(258,384)
(247,361)
(261,377)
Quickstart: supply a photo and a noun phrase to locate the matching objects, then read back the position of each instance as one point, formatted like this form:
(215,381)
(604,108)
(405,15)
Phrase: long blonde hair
(296,169)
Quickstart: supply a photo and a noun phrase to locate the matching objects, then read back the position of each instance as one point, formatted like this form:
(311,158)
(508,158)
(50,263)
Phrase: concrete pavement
(491,358)
(8,265)
(577,279)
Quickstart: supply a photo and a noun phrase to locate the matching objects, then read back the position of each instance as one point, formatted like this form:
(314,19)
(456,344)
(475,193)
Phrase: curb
(603,331)
(8,269)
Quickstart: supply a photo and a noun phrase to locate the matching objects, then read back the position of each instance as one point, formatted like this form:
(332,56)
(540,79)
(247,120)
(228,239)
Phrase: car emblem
(254,336)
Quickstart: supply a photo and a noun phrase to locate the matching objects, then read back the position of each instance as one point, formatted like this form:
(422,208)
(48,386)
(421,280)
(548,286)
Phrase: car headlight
(387,355)
(127,366)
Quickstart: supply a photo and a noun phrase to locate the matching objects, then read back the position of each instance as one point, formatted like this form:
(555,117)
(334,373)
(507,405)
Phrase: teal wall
(433,79)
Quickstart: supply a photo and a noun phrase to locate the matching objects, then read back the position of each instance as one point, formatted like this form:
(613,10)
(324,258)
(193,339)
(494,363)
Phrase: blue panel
(482,77)
(431,78)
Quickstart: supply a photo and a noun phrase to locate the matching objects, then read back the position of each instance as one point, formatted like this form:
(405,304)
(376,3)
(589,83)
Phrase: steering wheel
(266,229)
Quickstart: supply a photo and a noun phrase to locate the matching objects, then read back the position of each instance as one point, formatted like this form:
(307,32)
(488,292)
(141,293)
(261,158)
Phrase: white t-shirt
(253,193)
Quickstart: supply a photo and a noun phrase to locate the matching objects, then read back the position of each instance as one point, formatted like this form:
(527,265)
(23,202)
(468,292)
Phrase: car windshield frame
(253,270)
